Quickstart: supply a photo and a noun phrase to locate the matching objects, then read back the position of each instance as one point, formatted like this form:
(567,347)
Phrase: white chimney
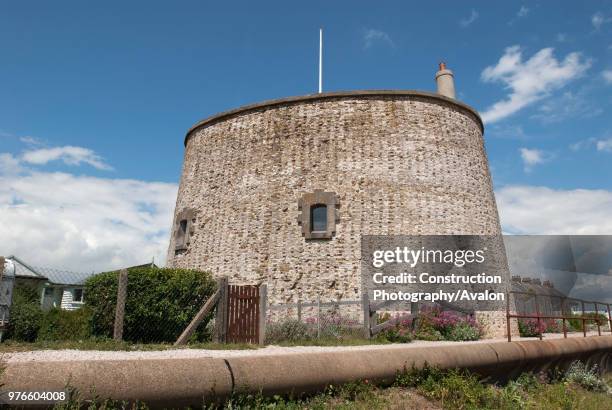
(445,81)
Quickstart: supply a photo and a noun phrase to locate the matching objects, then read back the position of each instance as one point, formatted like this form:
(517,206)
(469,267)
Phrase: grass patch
(429,388)
(109,344)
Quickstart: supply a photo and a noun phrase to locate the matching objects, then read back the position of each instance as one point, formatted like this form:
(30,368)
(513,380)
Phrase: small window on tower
(318,214)
(181,234)
(184,229)
(318,218)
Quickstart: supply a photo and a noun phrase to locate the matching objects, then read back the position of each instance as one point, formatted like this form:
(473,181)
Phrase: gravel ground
(78,355)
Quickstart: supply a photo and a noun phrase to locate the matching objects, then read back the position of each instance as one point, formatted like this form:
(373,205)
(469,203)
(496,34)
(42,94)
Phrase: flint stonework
(397,163)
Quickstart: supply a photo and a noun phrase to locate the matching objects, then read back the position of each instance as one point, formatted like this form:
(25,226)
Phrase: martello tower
(280,192)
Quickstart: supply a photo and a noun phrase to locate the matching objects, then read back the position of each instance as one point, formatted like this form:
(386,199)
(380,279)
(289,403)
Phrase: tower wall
(398,162)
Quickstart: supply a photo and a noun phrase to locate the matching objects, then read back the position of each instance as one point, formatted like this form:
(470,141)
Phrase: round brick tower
(281,192)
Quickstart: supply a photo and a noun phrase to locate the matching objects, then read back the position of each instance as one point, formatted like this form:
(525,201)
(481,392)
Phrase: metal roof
(64,277)
(54,276)
(24,270)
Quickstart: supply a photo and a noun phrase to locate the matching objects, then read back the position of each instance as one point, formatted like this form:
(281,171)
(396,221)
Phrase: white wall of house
(63,297)
(72,298)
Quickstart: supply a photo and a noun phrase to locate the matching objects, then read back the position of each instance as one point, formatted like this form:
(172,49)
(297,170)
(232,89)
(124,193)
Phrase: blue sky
(102,93)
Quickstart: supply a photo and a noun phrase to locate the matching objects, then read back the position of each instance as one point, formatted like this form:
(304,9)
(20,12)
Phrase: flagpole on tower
(320,60)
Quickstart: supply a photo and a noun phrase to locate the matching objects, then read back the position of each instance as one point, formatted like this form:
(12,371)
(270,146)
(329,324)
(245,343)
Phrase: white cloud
(469,20)
(30,140)
(566,106)
(542,210)
(531,80)
(523,11)
(80,223)
(604,145)
(533,157)
(582,144)
(70,155)
(9,165)
(599,19)
(372,37)
(607,76)
(84,223)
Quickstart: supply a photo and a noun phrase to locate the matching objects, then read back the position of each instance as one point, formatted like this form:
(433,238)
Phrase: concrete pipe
(181,382)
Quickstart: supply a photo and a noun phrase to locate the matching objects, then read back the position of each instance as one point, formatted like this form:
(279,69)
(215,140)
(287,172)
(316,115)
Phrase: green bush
(463,332)
(428,334)
(290,330)
(454,388)
(575,324)
(531,327)
(401,332)
(433,323)
(24,321)
(25,314)
(397,334)
(586,377)
(58,324)
(160,303)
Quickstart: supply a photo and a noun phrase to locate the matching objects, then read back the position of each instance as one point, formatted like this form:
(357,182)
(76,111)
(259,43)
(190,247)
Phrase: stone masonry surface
(401,163)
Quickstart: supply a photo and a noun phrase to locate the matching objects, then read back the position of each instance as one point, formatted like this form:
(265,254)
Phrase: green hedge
(160,303)
(58,324)
(25,314)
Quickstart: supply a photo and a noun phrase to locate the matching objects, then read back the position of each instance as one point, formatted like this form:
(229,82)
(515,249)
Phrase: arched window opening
(318,218)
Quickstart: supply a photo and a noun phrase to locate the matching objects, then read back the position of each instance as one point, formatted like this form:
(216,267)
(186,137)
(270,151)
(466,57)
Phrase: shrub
(435,324)
(586,377)
(160,303)
(398,334)
(531,327)
(401,332)
(453,388)
(429,334)
(553,326)
(463,332)
(289,330)
(58,324)
(25,314)
(594,319)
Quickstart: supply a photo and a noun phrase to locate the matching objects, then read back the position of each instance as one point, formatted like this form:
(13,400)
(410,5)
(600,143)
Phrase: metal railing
(563,316)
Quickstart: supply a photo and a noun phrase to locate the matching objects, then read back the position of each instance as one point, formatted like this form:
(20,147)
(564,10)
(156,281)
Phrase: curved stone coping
(174,382)
(330,96)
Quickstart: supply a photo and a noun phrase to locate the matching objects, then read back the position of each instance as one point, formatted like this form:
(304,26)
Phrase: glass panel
(78,295)
(318,218)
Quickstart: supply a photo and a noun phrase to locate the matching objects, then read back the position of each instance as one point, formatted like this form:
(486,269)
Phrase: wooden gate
(243,314)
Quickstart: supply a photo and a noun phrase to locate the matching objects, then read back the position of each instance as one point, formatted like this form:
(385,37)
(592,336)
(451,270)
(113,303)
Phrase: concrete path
(187,353)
